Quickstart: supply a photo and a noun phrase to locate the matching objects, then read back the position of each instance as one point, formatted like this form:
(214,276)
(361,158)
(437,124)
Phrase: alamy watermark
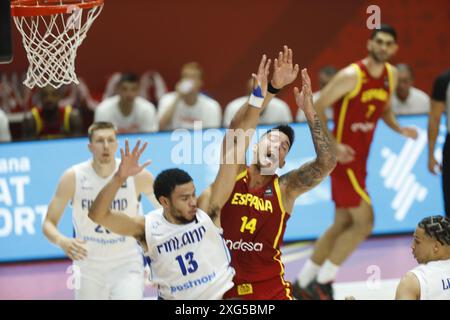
(373,282)
(212,147)
(374,20)
(74,279)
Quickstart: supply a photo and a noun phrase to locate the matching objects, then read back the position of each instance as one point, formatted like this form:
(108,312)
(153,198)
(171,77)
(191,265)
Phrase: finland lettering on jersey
(356,115)
(254,221)
(434,279)
(188,261)
(102,244)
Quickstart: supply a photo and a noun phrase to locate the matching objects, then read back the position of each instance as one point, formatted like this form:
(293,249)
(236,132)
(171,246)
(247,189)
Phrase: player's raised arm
(238,136)
(312,173)
(284,73)
(144,185)
(100,212)
(234,146)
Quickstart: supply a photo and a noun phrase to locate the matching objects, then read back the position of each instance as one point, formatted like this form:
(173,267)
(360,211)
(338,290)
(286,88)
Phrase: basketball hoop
(52,31)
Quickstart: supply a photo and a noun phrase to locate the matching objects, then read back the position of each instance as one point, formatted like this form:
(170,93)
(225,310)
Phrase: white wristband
(255,101)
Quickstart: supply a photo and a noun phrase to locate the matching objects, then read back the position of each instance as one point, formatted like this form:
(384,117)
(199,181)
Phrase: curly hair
(437,227)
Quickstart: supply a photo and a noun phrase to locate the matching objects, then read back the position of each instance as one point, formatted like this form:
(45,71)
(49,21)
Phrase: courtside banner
(401,188)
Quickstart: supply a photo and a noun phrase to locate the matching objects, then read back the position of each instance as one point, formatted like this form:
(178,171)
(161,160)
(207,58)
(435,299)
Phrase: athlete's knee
(364,227)
(342,221)
(338,228)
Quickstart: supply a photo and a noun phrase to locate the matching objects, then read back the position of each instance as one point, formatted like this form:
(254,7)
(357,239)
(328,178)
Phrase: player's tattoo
(312,173)
(322,144)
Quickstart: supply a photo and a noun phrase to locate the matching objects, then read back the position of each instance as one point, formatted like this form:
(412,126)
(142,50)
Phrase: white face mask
(186,86)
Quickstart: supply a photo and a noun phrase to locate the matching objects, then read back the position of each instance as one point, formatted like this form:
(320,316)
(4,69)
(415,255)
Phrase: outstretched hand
(260,79)
(434,166)
(304,98)
(129,165)
(284,72)
(344,153)
(409,132)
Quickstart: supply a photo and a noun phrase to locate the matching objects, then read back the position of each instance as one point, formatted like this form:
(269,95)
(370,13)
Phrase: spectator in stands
(151,86)
(186,105)
(407,99)
(325,75)
(126,110)
(50,119)
(277,112)
(79,96)
(5,135)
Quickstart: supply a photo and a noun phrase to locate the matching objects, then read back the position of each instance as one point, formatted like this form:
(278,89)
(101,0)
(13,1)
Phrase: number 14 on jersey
(249,225)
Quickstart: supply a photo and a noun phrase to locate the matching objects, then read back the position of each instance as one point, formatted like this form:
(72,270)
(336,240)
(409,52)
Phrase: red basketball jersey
(356,115)
(55,129)
(254,222)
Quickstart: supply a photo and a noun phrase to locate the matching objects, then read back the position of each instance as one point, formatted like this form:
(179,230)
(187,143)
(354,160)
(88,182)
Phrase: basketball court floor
(371,273)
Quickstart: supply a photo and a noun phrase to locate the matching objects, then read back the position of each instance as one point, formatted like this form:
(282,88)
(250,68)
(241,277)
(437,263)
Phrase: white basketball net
(51,43)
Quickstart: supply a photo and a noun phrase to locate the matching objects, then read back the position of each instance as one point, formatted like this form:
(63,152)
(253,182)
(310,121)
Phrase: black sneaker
(321,291)
(300,293)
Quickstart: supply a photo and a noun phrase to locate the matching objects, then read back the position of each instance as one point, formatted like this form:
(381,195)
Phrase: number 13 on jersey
(192,265)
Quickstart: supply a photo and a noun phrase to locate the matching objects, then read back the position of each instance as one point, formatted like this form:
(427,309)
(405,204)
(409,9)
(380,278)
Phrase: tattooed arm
(296,182)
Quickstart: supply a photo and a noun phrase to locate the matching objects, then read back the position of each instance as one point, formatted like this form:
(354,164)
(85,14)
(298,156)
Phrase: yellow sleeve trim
(341,120)
(346,101)
(67,112)
(37,118)
(391,78)
(276,183)
(241,175)
(283,212)
(358,86)
(357,187)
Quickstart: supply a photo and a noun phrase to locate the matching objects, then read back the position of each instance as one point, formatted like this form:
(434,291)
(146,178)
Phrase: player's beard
(376,57)
(178,216)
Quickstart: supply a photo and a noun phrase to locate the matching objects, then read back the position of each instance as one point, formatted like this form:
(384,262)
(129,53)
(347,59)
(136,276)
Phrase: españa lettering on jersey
(254,221)
(248,199)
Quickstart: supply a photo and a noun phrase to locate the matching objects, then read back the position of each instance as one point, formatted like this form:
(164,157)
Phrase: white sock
(308,273)
(328,272)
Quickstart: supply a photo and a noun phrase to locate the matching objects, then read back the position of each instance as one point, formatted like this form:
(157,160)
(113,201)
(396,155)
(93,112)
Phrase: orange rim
(25,8)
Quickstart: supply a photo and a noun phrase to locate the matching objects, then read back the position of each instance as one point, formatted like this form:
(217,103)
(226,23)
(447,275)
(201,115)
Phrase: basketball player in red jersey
(360,95)
(255,215)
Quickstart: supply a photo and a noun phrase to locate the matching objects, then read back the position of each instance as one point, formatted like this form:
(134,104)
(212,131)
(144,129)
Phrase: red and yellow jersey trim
(37,118)
(346,100)
(357,187)
(241,175)
(390,77)
(277,239)
(67,112)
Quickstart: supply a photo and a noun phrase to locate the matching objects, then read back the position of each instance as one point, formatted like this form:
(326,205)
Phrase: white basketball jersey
(434,279)
(188,261)
(101,243)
